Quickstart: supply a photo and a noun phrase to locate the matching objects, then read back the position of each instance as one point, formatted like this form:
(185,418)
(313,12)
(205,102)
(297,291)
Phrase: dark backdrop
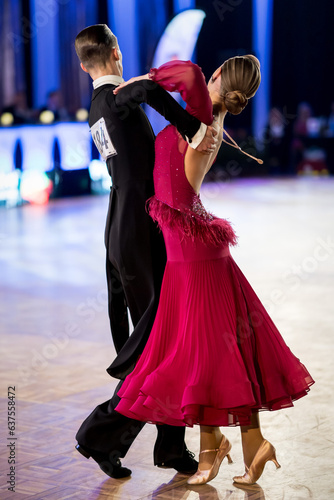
(302,49)
(303,54)
(226,32)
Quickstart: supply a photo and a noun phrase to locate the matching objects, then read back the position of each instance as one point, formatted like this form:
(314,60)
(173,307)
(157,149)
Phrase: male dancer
(135,249)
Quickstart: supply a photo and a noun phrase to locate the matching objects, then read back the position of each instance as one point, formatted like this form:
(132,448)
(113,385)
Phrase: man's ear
(115,53)
(83,68)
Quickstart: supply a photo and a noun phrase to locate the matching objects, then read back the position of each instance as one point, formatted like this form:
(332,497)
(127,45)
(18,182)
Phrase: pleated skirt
(214,355)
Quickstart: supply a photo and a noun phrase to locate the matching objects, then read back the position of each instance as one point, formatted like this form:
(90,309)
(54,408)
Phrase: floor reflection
(252,492)
(178,486)
(111,488)
(208,492)
(178,489)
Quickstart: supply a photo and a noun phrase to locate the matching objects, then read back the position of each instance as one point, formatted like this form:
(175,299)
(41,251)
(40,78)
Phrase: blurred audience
(330,123)
(55,103)
(300,131)
(277,139)
(308,150)
(304,113)
(22,114)
(299,146)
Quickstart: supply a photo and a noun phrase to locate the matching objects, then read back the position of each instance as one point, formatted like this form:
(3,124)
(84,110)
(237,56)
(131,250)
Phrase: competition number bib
(102,139)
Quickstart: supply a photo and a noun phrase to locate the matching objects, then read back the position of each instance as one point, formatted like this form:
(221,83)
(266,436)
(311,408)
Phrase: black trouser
(107,431)
(136,258)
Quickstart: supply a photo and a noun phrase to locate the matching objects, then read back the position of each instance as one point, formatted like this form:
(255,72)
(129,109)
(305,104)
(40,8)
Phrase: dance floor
(56,344)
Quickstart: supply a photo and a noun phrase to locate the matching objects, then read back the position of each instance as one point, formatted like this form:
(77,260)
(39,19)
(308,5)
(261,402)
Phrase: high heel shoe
(204,476)
(265,453)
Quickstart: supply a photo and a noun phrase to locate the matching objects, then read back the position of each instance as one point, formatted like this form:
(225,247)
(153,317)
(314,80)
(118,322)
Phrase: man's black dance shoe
(186,464)
(111,467)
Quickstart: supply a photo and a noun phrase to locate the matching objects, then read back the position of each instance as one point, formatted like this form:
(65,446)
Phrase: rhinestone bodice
(170,182)
(176,207)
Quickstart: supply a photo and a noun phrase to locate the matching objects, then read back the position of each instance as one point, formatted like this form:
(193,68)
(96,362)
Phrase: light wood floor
(55,343)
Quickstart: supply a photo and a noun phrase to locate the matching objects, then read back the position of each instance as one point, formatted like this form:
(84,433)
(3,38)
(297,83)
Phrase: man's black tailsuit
(135,254)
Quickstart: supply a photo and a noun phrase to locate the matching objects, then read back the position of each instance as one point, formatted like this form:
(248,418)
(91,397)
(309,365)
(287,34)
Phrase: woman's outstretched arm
(186,78)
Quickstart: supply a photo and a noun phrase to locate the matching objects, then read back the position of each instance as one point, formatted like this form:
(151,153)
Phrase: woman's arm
(144,90)
(186,78)
(141,89)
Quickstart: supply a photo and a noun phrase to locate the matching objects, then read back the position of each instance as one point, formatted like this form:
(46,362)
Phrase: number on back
(102,139)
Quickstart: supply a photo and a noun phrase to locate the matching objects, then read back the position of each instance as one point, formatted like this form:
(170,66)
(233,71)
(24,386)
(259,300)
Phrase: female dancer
(214,356)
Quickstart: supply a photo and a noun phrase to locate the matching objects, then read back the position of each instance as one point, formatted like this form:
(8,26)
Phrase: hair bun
(235,101)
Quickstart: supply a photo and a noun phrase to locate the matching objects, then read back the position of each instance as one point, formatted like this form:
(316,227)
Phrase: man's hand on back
(209,142)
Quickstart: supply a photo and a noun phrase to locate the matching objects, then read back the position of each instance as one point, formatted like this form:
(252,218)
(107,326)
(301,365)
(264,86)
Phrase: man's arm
(155,96)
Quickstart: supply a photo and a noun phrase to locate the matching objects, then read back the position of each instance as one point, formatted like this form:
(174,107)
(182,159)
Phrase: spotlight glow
(7,119)
(101,180)
(81,115)
(46,117)
(35,187)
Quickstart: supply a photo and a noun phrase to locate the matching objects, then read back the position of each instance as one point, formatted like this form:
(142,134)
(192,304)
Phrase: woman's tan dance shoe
(204,476)
(264,453)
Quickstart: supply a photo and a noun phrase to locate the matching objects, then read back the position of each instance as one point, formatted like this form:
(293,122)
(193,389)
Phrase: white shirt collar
(103,80)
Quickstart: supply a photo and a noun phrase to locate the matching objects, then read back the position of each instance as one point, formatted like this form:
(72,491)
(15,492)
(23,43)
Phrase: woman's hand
(132,80)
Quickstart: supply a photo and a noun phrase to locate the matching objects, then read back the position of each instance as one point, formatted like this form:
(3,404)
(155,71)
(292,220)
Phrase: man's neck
(107,80)
(95,74)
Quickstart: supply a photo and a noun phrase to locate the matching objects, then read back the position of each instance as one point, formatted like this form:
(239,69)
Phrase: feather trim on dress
(194,223)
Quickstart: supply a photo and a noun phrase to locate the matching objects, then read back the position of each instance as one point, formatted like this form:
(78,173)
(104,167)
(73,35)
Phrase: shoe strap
(216,449)
(208,451)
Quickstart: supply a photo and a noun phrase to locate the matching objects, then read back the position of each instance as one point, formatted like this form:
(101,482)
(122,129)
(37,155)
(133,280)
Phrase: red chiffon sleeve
(186,78)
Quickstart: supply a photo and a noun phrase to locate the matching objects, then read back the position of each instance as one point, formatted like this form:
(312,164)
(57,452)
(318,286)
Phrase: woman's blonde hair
(240,79)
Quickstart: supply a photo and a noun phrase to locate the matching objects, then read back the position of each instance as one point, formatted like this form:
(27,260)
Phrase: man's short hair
(94,44)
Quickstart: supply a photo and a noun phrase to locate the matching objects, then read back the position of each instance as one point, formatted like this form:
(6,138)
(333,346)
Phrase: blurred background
(45,145)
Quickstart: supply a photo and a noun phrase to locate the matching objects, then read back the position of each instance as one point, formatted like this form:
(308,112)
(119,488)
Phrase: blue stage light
(8,139)
(37,142)
(262,42)
(177,42)
(75,145)
(100,178)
